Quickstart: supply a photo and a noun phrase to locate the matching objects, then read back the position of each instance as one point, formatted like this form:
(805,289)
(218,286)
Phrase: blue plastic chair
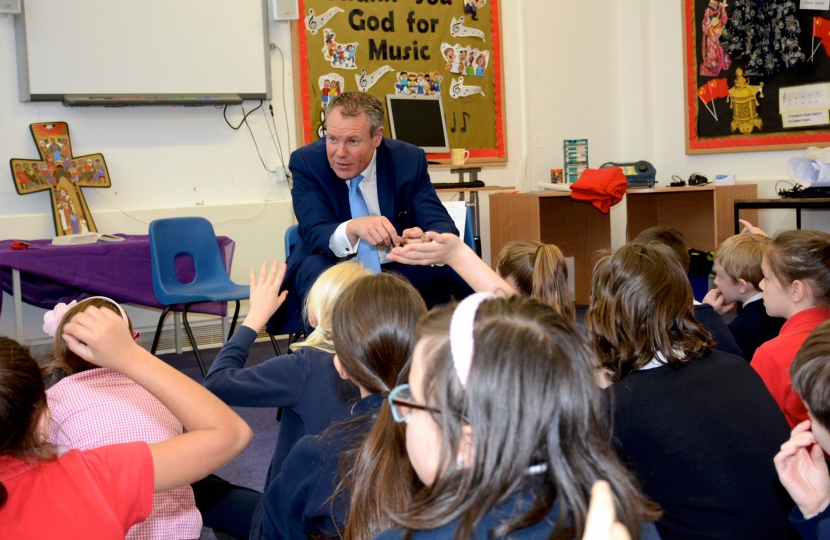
(194,237)
(292,236)
(468,235)
(294,329)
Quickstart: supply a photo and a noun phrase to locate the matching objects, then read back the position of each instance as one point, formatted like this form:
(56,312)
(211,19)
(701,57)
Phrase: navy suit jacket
(321,199)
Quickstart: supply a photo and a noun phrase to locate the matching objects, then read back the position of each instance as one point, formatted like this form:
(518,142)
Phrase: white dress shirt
(758,296)
(339,241)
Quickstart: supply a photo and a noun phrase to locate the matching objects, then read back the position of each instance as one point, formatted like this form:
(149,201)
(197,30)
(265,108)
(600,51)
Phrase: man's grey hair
(352,104)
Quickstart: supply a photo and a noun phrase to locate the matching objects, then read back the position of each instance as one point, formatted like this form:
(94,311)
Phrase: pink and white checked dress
(100,407)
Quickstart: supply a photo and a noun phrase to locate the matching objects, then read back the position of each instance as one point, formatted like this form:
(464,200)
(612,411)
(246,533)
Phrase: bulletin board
(447,47)
(757,75)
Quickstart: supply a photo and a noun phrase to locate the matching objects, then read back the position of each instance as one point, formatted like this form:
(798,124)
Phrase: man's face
(349,146)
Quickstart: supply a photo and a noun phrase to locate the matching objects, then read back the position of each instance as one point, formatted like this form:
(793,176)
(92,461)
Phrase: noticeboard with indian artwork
(757,74)
(63,175)
(450,48)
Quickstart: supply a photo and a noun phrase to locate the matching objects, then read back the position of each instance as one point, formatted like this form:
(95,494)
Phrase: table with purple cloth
(119,270)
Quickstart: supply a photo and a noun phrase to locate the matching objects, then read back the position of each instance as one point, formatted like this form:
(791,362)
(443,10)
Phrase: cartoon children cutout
(449,56)
(472,7)
(481,63)
(340,55)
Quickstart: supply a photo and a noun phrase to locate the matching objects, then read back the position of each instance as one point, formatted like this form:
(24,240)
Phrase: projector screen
(111,47)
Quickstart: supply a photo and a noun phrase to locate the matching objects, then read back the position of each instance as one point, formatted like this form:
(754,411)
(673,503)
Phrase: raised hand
(265,297)
(601,523)
(376,230)
(749,228)
(435,249)
(803,471)
(100,337)
(715,299)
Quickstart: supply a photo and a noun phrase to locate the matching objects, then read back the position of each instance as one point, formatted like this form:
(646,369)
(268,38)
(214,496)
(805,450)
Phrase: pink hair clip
(52,319)
(461,333)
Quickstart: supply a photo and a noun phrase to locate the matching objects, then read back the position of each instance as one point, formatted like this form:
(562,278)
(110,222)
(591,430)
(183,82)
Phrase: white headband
(461,333)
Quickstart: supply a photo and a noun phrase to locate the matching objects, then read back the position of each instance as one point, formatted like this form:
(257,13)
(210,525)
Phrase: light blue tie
(366,253)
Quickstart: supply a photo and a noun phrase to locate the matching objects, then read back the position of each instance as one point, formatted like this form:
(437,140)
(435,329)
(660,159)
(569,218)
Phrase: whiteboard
(147,47)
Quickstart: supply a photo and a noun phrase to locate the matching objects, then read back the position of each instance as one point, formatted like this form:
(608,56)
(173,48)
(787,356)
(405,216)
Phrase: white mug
(459,156)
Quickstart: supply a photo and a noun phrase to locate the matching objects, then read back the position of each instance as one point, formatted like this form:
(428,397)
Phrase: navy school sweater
(299,502)
(304,383)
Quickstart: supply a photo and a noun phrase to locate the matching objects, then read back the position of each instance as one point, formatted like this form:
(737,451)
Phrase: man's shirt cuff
(339,242)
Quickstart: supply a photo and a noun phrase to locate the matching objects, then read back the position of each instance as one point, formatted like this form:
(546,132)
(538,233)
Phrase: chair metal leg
(193,340)
(158,330)
(275,344)
(233,322)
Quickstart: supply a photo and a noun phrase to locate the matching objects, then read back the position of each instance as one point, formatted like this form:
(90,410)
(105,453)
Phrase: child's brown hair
(66,362)
(540,272)
(810,373)
(803,256)
(741,256)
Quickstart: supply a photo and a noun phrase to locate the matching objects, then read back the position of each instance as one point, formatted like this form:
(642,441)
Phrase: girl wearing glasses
(352,464)
(503,425)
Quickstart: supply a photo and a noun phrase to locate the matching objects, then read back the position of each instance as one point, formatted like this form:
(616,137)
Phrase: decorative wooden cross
(63,175)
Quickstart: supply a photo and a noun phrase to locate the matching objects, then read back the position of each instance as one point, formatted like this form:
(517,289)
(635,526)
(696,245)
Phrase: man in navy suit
(390,177)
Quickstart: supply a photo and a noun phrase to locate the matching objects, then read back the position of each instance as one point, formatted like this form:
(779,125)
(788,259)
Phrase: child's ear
(340,369)
(799,291)
(743,286)
(43,423)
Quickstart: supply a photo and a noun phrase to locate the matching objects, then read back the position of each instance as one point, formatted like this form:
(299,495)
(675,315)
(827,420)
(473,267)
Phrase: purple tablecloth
(119,270)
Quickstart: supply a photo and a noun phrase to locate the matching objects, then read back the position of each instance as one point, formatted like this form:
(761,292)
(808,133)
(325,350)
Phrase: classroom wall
(163,161)
(609,71)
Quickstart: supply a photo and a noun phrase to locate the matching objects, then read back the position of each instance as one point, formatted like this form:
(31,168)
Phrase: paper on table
(458,213)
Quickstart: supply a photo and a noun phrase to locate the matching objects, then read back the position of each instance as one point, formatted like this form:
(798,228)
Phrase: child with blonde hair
(304,383)
(737,277)
(93,406)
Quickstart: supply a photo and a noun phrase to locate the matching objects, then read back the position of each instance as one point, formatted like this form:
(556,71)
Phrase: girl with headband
(95,406)
(101,493)
(504,427)
(359,464)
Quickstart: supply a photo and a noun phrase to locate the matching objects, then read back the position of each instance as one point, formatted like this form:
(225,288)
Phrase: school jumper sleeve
(278,382)
(815,528)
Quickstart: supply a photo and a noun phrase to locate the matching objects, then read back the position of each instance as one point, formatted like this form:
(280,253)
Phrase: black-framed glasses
(401,402)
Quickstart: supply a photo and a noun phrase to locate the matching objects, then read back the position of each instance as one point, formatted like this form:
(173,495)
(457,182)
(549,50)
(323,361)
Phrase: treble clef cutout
(321,129)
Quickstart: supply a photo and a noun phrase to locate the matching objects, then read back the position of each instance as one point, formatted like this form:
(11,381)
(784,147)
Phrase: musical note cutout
(454,123)
(365,82)
(464,117)
(321,129)
(457,29)
(457,89)
(315,23)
